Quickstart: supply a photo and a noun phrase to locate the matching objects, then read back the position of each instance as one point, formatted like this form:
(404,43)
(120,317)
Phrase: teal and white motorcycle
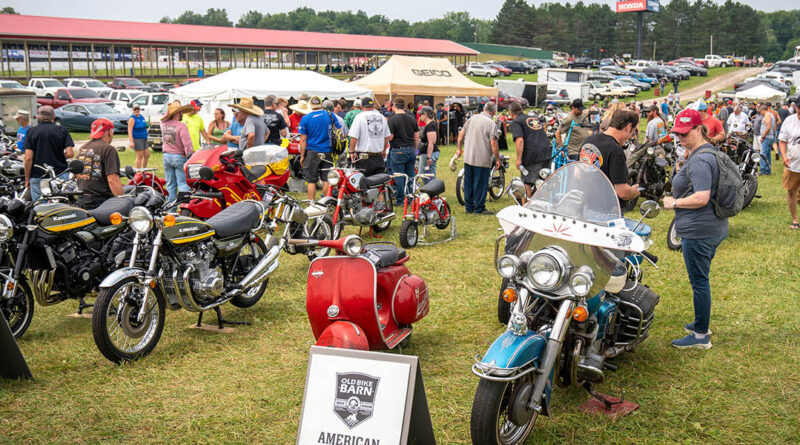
(572,300)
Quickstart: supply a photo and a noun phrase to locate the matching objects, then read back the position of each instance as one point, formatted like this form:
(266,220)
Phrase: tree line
(682,28)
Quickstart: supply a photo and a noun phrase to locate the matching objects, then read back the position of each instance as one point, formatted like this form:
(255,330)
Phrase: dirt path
(717,83)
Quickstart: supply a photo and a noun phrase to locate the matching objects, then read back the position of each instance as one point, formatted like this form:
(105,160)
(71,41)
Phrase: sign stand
(362,397)
(13,365)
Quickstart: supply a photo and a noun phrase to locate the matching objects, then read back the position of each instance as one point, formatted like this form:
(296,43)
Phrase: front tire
(490,422)
(323,230)
(251,297)
(409,234)
(750,183)
(673,240)
(18,310)
(497,184)
(460,190)
(388,202)
(117,334)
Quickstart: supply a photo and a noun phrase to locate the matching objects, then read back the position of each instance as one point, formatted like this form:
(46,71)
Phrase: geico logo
(438,73)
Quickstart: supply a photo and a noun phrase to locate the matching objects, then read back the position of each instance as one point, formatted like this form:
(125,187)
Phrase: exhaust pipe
(262,270)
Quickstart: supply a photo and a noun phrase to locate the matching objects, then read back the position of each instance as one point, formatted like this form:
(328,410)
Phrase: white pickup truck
(639,65)
(45,87)
(714,61)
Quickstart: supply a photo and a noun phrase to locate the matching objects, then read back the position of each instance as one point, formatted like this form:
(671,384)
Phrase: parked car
(65,96)
(601,76)
(187,81)
(467,102)
(504,99)
(713,61)
(93,84)
(500,69)
(161,86)
(13,85)
(694,70)
(639,65)
(121,98)
(691,60)
(549,62)
(614,70)
(771,82)
(558,97)
(620,86)
(582,62)
(129,83)
(536,64)
(80,116)
(627,80)
(659,73)
(780,77)
(642,77)
(45,87)
(607,62)
(482,70)
(516,66)
(149,103)
(598,91)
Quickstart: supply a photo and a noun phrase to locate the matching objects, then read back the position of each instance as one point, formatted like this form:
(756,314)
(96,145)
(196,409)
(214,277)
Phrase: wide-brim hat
(246,104)
(174,108)
(302,107)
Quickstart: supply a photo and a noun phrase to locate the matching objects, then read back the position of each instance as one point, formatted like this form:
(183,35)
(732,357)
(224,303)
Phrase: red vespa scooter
(365,299)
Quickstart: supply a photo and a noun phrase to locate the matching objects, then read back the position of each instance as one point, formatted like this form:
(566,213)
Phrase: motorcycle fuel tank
(61,218)
(188,230)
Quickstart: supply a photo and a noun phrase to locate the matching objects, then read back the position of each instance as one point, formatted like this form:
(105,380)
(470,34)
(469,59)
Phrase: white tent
(760,92)
(220,90)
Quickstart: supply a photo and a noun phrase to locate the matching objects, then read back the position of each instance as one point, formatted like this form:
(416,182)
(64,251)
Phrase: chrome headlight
(544,173)
(538,184)
(756,158)
(333,177)
(140,220)
(651,150)
(353,245)
(508,266)
(6,228)
(193,171)
(582,281)
(548,268)
(45,187)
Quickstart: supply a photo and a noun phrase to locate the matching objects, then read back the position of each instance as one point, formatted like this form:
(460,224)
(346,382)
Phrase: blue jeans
(428,169)
(476,185)
(175,176)
(36,191)
(401,160)
(697,254)
(766,156)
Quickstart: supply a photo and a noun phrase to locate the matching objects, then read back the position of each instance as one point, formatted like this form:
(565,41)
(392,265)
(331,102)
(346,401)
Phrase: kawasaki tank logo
(61,218)
(188,229)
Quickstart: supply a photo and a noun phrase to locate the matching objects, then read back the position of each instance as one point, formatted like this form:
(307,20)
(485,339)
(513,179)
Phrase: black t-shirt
(605,153)
(431,126)
(403,126)
(99,161)
(48,141)
(536,146)
(783,113)
(275,123)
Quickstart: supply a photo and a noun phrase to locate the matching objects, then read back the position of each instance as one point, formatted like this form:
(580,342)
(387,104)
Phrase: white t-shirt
(790,133)
(371,130)
(738,124)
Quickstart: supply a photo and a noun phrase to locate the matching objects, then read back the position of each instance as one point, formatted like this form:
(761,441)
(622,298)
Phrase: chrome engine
(207,280)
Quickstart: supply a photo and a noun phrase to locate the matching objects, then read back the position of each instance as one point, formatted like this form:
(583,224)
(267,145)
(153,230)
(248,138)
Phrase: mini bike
(424,206)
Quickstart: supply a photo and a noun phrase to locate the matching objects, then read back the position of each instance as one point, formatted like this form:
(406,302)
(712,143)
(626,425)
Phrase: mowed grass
(247,387)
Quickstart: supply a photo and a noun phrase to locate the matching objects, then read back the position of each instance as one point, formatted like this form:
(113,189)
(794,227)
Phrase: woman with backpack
(696,221)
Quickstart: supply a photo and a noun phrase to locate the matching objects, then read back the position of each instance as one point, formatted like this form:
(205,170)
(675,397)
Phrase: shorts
(313,166)
(139,144)
(373,165)
(791,180)
(533,171)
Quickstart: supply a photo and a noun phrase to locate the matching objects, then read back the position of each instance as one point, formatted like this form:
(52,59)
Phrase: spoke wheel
(750,185)
(250,254)
(497,183)
(460,190)
(18,310)
(673,240)
(388,207)
(117,332)
(322,230)
(491,420)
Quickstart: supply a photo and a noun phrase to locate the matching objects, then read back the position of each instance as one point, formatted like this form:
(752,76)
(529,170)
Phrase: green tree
(250,19)
(8,10)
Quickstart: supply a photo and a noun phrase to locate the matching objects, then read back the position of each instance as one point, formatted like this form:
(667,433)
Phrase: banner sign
(638,5)
(363,398)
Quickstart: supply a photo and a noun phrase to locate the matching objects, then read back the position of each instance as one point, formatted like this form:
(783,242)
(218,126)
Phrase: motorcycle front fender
(509,353)
(122,274)
(461,173)
(344,335)
(327,201)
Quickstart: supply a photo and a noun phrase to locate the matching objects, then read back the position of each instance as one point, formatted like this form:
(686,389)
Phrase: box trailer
(563,75)
(535,92)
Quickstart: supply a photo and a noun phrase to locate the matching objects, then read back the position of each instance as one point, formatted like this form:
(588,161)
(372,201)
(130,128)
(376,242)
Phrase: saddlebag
(637,304)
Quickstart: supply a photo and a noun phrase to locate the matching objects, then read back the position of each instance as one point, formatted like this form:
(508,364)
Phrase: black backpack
(729,197)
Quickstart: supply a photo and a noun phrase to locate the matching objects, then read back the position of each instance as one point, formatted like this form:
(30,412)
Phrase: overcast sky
(411,10)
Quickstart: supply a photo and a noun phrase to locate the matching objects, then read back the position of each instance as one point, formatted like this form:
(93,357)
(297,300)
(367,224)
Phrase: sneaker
(690,329)
(485,212)
(690,341)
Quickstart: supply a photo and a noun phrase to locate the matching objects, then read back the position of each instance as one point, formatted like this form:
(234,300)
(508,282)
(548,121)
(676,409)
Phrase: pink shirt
(176,138)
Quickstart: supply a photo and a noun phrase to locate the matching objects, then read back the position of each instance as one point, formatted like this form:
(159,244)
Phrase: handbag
(338,139)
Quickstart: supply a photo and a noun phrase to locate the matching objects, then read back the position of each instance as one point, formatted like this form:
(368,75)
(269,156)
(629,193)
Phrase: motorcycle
(353,198)
(424,206)
(234,179)
(310,223)
(517,191)
(195,265)
(49,245)
(647,166)
(497,180)
(742,153)
(573,299)
(365,299)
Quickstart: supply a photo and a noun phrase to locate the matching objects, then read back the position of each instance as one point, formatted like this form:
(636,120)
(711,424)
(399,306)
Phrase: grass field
(200,387)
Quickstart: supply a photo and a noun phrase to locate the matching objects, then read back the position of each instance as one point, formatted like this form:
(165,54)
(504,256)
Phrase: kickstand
(223,321)
(608,403)
(82,304)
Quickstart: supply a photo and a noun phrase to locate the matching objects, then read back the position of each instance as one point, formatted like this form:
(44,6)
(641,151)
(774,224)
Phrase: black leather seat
(121,204)
(236,219)
(388,253)
(375,180)
(252,174)
(433,188)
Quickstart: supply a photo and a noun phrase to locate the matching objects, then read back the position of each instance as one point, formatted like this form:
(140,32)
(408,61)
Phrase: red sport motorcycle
(147,177)
(233,181)
(365,299)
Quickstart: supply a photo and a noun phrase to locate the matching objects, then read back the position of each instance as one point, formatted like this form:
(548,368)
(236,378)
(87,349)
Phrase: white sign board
(362,398)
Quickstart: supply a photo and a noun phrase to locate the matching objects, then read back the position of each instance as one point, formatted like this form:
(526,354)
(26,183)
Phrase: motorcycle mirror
(75,166)
(649,209)
(130,172)
(206,173)
(321,155)
(120,149)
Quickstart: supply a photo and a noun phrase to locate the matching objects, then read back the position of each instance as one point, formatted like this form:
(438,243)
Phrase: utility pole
(654,50)
(640,18)
(711,45)
(476,32)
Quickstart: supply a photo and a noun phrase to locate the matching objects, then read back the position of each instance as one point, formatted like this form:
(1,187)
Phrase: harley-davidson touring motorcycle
(647,166)
(573,299)
(195,265)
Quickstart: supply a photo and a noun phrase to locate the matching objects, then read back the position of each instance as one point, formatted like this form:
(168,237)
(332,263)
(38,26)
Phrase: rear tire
(409,234)
(673,240)
(388,201)
(750,183)
(18,310)
(497,184)
(460,190)
(248,299)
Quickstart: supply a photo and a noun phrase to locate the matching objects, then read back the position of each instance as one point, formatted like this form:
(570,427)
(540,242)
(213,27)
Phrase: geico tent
(419,78)
(759,91)
(220,90)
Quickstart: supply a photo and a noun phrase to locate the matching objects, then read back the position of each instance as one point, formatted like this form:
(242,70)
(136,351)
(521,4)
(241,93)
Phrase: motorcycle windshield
(578,191)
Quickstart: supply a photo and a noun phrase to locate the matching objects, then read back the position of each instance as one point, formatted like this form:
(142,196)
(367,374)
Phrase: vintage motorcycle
(424,206)
(742,153)
(356,199)
(195,265)
(365,299)
(497,180)
(573,300)
(647,166)
(309,223)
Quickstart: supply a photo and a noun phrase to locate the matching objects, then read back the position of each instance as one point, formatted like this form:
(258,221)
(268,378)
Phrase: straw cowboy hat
(302,107)
(174,108)
(246,104)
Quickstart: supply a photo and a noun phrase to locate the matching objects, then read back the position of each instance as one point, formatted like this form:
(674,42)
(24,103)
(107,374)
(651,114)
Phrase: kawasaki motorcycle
(573,300)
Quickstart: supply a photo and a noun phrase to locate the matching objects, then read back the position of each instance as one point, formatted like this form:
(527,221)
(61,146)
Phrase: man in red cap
(100,177)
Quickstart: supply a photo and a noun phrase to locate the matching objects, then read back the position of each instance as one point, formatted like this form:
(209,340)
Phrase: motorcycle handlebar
(650,256)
